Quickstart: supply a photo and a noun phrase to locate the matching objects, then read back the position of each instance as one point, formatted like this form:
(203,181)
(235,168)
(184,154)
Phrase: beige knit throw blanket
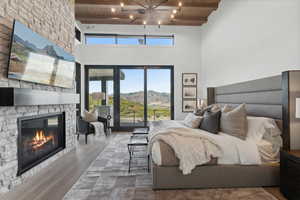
(190,146)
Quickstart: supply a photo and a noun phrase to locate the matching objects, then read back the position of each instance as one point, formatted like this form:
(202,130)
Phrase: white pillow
(262,128)
(90,116)
(192,121)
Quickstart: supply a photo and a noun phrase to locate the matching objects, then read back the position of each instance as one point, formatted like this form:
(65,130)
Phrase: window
(160,40)
(151,40)
(77,34)
(100,39)
(135,40)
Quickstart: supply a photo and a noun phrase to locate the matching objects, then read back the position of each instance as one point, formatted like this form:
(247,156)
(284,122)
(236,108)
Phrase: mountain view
(132,105)
(47,50)
(153,98)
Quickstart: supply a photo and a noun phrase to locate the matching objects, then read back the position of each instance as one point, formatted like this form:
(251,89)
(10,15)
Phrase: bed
(263,98)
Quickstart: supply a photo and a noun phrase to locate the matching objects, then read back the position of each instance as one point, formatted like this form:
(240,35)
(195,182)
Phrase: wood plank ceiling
(191,13)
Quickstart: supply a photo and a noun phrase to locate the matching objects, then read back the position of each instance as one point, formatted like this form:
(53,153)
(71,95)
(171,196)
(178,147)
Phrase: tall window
(153,40)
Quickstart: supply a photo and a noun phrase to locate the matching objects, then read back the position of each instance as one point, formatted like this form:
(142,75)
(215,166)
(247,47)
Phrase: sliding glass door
(159,94)
(132,99)
(136,94)
(100,87)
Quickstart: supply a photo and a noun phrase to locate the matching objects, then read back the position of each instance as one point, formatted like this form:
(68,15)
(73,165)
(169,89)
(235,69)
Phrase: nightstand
(290,174)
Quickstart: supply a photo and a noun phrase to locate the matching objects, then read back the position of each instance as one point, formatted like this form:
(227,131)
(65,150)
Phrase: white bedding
(235,150)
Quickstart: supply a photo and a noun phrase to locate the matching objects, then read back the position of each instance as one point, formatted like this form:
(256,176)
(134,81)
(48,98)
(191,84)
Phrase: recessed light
(113,10)
(122,4)
(172,16)
(180,4)
(144,22)
(174,11)
(131,17)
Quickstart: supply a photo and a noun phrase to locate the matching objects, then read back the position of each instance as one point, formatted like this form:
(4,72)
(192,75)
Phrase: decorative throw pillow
(211,122)
(192,120)
(212,108)
(215,108)
(262,128)
(234,121)
(90,116)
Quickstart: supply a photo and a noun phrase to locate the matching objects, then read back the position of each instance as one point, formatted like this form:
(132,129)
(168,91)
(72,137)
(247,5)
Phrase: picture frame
(189,92)
(189,105)
(189,79)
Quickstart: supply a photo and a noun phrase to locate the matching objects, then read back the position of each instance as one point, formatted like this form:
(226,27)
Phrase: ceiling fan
(148,9)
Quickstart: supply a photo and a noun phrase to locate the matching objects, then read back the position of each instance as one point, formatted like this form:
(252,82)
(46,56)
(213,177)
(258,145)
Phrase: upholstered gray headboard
(267,97)
(263,97)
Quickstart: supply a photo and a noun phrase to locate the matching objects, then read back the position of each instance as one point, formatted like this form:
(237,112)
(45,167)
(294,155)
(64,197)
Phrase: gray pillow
(211,122)
(234,121)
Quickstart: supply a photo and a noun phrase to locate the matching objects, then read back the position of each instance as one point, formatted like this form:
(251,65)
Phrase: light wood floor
(54,181)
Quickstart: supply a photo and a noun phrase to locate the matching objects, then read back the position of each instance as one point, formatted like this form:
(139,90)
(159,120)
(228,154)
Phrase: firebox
(39,137)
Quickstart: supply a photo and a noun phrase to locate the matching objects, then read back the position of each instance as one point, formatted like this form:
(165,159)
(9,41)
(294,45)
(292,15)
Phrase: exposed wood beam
(194,12)
(204,4)
(93,16)
(139,21)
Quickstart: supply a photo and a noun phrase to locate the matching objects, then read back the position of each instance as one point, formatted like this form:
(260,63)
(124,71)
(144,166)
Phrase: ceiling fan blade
(160,3)
(163,10)
(131,22)
(140,4)
(131,10)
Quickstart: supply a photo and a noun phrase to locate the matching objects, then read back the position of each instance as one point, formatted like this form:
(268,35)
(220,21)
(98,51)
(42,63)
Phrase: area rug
(107,178)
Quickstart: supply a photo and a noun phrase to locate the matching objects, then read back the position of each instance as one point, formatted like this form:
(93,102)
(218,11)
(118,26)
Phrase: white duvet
(234,150)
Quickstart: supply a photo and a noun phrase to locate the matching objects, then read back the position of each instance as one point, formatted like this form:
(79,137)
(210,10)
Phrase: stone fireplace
(55,21)
(39,137)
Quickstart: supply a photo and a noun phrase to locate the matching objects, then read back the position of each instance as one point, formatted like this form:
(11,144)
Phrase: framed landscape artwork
(189,92)
(189,79)
(189,105)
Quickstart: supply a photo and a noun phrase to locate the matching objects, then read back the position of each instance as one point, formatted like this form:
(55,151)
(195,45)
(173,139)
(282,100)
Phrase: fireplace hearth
(39,137)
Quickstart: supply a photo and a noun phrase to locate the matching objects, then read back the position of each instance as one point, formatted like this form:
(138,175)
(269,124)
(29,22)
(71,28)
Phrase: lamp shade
(298,108)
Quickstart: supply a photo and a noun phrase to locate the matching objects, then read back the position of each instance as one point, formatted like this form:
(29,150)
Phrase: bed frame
(264,98)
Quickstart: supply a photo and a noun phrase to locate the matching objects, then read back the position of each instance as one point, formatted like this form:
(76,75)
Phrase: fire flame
(40,139)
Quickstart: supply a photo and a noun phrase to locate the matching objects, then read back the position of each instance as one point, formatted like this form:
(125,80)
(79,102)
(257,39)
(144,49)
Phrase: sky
(134,40)
(40,42)
(158,80)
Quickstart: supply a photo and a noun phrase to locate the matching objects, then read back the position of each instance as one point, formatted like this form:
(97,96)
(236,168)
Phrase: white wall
(250,39)
(185,55)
